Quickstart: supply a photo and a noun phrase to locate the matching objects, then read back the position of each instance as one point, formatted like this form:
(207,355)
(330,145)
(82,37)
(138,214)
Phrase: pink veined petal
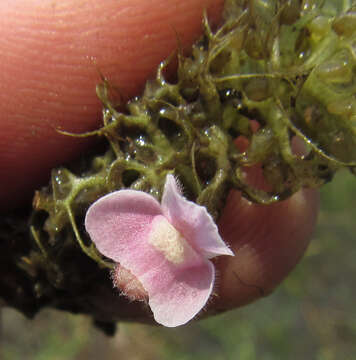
(177,294)
(193,221)
(121,221)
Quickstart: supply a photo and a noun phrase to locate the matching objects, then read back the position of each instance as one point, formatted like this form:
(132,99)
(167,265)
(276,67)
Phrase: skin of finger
(268,242)
(51,56)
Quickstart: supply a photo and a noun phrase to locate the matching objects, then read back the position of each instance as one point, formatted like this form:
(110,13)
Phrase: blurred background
(312,315)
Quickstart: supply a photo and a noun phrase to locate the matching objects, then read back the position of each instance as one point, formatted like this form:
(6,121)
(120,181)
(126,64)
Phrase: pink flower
(165,247)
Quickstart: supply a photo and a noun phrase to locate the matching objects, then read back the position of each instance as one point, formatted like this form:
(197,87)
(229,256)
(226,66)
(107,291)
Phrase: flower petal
(128,227)
(193,221)
(119,220)
(167,254)
(176,295)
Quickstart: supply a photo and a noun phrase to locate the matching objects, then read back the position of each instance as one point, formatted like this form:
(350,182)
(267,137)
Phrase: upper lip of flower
(166,246)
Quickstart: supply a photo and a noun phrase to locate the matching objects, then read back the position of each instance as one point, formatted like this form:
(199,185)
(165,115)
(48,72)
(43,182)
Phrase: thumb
(268,241)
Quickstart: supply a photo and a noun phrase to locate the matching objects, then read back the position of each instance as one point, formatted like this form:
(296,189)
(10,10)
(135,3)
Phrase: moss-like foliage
(275,71)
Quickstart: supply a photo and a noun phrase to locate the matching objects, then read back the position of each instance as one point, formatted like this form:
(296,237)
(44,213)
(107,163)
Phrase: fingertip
(268,242)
